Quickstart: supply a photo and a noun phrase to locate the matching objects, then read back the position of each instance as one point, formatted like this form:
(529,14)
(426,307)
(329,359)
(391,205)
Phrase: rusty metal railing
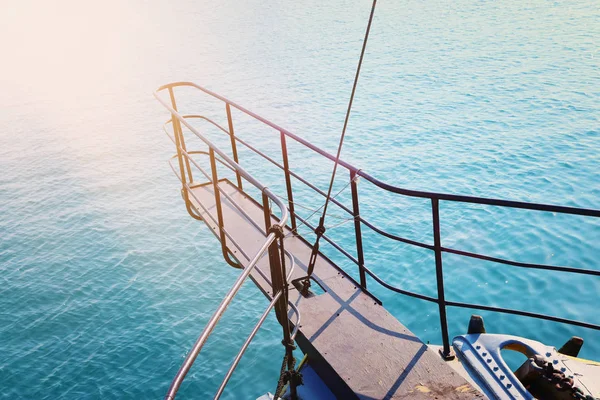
(273,244)
(435,198)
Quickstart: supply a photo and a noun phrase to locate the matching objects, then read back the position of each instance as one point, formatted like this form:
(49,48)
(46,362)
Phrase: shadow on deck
(357,347)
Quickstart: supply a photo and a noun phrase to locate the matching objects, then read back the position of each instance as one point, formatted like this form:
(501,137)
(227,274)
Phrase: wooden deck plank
(369,349)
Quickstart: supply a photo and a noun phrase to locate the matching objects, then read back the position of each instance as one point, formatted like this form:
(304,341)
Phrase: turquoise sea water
(106,281)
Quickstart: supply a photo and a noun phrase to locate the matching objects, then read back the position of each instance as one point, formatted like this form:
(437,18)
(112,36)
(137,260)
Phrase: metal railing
(359,221)
(273,245)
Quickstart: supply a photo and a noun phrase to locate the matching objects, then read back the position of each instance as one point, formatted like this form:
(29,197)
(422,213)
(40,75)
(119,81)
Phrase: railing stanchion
(278,283)
(180,142)
(446,352)
(357,230)
(215,181)
(233,144)
(288,181)
(277,278)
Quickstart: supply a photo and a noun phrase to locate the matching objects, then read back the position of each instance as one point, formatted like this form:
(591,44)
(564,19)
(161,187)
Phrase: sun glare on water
(67,51)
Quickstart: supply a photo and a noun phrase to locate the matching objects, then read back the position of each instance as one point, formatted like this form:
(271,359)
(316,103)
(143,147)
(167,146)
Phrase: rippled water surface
(106,281)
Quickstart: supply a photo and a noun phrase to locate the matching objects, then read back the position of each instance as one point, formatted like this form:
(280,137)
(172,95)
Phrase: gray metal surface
(360,348)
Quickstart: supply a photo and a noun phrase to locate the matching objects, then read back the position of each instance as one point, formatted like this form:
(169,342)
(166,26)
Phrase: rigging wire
(313,210)
(320,230)
(316,210)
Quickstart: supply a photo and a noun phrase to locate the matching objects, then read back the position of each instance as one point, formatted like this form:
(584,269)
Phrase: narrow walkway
(353,343)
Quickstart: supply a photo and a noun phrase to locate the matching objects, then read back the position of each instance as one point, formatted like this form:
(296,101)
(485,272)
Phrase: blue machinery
(274,247)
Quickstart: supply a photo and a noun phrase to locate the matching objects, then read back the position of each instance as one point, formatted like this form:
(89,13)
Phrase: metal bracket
(277,230)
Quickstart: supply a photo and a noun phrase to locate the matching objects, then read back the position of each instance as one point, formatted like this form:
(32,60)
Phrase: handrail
(434,197)
(238,167)
(396,189)
(402,239)
(187,186)
(255,224)
(262,319)
(401,191)
(240,209)
(191,357)
(266,246)
(246,344)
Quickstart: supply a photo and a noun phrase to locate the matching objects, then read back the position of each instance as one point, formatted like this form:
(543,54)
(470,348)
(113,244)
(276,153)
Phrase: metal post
(275,264)
(180,142)
(233,144)
(278,283)
(357,230)
(215,181)
(288,181)
(446,352)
